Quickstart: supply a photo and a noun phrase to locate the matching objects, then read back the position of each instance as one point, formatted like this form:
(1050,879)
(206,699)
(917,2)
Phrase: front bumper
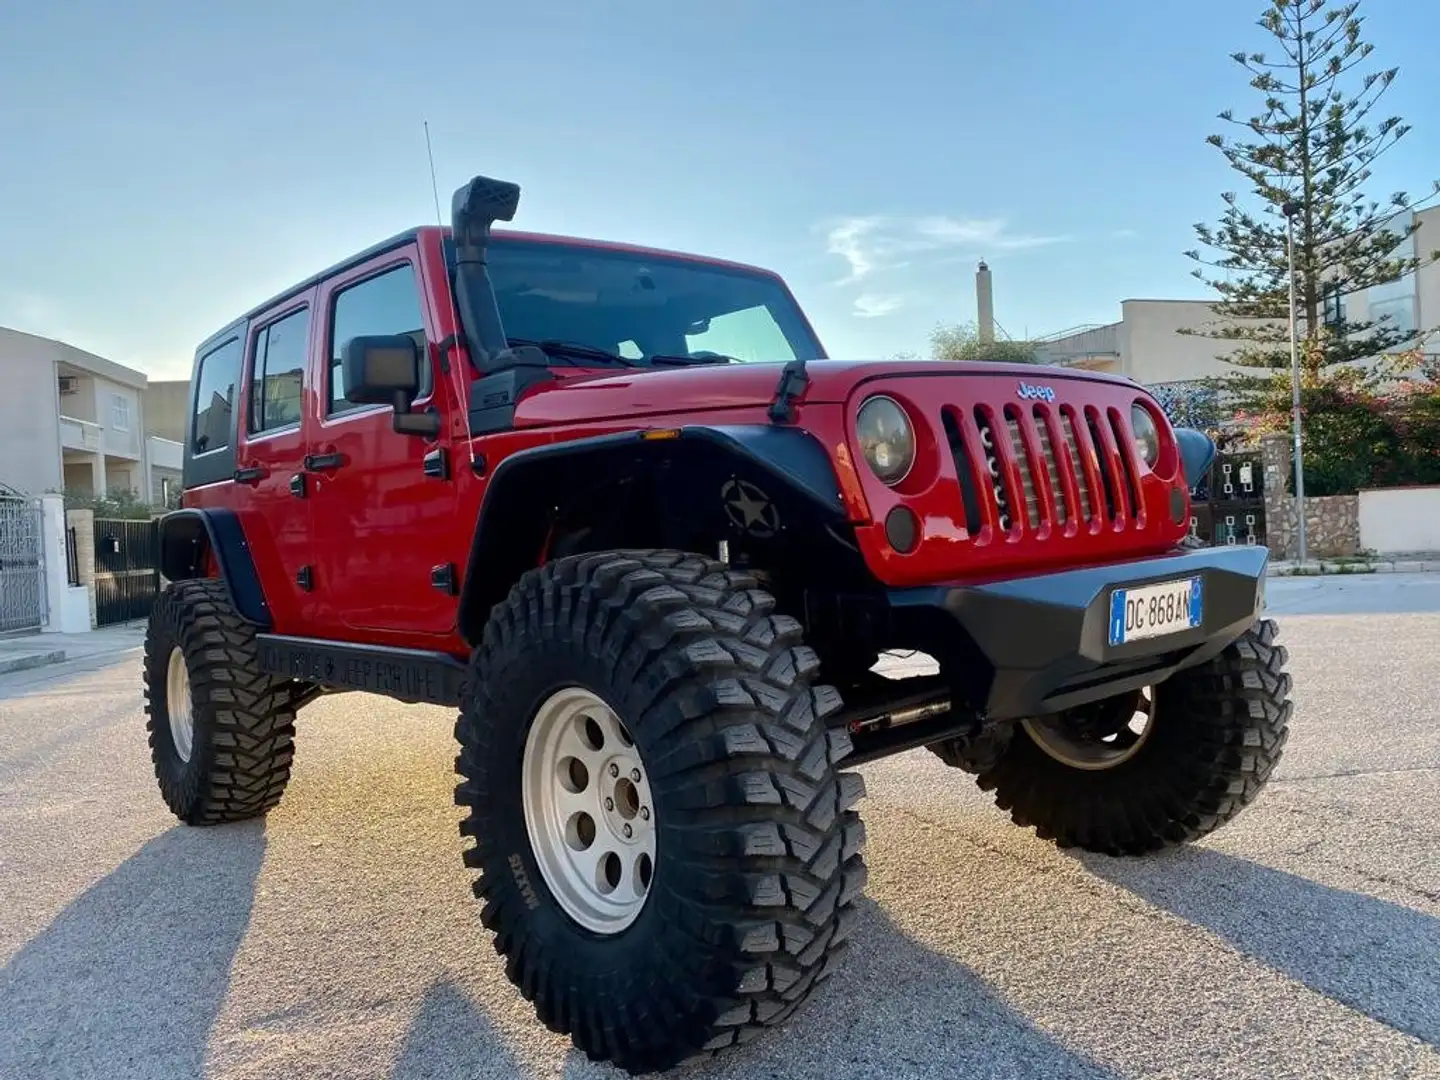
(1040,644)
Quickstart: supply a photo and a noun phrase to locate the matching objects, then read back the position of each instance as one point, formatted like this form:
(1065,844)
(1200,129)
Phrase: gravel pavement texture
(338,937)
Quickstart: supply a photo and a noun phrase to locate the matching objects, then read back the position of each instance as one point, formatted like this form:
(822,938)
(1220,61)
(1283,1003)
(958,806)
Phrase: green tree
(961,341)
(1311,145)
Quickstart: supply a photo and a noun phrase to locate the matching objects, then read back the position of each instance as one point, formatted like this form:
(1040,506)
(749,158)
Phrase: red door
(382,525)
(277,398)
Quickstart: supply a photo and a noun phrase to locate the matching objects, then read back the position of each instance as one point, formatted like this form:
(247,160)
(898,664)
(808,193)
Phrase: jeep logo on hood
(1036,393)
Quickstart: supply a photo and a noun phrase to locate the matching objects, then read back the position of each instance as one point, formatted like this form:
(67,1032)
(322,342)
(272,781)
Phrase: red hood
(589,395)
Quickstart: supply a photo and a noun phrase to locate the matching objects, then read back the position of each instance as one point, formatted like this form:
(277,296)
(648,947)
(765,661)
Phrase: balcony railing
(79,434)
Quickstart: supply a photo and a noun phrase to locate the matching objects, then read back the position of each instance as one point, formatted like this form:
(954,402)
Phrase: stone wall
(1332,522)
(83,522)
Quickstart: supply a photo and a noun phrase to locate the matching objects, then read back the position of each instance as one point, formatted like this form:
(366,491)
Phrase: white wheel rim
(178,705)
(588,811)
(1050,735)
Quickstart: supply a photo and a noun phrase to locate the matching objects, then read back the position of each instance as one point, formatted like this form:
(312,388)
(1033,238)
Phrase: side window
(751,334)
(215,397)
(388,303)
(278,372)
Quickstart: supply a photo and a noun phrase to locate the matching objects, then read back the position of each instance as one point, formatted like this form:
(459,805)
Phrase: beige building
(71,419)
(1148,344)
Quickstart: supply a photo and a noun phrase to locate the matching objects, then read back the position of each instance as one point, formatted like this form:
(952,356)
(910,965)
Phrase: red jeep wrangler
(617,507)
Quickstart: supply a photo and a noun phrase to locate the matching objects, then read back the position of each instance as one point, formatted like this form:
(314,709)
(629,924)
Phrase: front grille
(1042,467)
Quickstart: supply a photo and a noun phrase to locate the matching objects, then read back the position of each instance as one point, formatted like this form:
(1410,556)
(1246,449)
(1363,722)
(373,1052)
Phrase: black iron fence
(1228,504)
(72,556)
(127,569)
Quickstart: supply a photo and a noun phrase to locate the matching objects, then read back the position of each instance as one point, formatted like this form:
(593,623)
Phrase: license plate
(1155,610)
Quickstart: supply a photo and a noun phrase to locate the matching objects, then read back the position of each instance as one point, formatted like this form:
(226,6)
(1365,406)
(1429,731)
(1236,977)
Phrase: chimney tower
(985,303)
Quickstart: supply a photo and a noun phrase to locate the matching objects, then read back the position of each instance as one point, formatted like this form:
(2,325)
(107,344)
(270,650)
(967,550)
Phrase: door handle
(317,462)
(250,474)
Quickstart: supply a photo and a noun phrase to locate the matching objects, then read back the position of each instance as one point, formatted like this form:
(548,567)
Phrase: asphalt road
(338,938)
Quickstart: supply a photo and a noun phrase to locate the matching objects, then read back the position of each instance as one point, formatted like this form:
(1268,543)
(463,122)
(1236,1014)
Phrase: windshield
(642,306)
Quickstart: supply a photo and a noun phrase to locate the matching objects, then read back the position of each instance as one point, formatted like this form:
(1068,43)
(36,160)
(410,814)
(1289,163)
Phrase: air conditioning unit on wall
(69,384)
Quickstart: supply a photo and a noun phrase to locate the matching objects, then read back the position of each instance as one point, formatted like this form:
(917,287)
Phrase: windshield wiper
(690,359)
(574,350)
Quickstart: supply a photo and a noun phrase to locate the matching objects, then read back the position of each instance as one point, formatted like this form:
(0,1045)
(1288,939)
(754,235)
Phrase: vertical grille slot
(1052,464)
(1082,478)
(1127,470)
(989,442)
(967,470)
(1112,497)
(1022,459)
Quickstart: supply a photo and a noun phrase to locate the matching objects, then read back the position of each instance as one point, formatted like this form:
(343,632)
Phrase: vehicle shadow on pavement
(128,980)
(893,1008)
(451,1037)
(1379,958)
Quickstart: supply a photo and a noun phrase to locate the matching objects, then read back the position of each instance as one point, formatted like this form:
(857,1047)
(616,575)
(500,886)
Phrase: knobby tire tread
(760,847)
(244,735)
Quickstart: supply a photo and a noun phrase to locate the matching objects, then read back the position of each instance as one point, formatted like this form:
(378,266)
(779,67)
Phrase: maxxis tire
(1220,729)
(243,719)
(758,856)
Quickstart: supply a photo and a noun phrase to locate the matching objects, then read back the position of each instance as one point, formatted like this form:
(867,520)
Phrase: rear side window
(278,372)
(215,397)
(388,303)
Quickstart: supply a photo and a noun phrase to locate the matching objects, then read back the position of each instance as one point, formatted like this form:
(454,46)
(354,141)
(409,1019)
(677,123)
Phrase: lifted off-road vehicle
(617,507)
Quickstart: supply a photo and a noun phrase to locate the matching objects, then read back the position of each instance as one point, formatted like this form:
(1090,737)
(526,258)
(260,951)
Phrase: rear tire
(221,731)
(756,848)
(1216,735)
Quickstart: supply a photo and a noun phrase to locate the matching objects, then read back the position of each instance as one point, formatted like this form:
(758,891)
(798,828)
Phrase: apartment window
(278,372)
(119,412)
(215,397)
(1334,306)
(388,303)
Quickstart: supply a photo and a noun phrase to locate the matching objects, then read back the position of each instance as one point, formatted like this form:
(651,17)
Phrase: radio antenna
(458,336)
(434,184)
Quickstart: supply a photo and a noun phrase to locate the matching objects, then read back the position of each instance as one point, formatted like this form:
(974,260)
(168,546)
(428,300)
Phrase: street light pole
(1290,209)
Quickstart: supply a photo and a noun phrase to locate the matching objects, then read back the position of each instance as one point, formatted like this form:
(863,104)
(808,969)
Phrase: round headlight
(886,438)
(1147,435)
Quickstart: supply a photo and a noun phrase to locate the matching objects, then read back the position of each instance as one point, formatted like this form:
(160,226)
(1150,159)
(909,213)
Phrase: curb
(1347,567)
(26,661)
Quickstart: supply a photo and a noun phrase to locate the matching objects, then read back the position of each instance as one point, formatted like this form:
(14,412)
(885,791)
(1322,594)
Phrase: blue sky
(168,164)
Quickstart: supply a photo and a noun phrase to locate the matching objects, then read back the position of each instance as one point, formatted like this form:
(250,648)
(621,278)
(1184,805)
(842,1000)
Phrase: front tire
(680,667)
(1215,734)
(221,731)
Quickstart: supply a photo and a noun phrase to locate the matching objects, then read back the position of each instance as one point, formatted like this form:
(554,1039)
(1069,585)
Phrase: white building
(71,419)
(1148,345)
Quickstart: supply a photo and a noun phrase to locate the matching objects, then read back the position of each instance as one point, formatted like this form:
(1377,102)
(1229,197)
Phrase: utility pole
(1290,209)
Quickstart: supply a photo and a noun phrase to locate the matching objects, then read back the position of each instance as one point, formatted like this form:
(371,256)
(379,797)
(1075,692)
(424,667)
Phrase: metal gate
(22,565)
(127,569)
(1228,505)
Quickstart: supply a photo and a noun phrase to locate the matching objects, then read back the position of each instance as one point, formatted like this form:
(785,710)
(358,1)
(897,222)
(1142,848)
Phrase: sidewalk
(1419,562)
(41,650)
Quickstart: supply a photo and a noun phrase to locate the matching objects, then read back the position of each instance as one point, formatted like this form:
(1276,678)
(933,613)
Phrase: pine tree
(1309,150)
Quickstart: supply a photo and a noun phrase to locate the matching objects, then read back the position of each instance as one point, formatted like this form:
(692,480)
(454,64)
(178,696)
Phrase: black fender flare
(185,536)
(508,519)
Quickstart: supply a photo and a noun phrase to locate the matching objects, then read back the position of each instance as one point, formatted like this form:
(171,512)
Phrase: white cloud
(848,239)
(872,306)
(875,243)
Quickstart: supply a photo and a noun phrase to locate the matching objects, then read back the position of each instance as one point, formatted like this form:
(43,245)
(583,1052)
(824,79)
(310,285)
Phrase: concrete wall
(1332,522)
(83,522)
(165,406)
(1400,520)
(29,414)
(1153,349)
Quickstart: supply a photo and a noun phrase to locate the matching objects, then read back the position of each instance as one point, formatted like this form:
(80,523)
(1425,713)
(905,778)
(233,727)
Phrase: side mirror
(385,369)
